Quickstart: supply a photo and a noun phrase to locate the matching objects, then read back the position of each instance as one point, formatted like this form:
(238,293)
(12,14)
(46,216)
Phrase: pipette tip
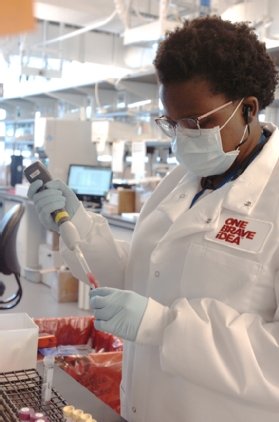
(92,280)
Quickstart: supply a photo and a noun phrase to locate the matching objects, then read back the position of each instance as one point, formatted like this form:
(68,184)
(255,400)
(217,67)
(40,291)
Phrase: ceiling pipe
(163,11)
(80,31)
(123,11)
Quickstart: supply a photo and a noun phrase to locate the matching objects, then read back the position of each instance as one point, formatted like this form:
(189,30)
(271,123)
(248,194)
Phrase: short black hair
(228,55)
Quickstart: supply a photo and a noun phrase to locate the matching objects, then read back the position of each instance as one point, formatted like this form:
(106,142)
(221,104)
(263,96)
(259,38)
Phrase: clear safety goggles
(169,126)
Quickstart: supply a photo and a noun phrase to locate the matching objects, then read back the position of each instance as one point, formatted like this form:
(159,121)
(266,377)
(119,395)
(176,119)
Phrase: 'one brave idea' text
(234,230)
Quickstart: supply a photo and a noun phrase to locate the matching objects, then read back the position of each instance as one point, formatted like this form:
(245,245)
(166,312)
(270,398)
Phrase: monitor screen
(90,183)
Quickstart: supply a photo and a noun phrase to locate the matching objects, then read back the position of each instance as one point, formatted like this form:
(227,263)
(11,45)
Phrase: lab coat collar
(246,190)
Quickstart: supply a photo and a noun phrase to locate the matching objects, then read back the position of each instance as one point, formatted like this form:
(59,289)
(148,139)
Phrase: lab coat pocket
(215,273)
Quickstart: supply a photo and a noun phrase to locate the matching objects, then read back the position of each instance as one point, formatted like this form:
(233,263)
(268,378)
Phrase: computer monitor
(90,183)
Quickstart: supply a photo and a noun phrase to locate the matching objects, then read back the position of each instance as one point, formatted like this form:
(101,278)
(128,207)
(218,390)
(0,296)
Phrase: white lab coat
(215,268)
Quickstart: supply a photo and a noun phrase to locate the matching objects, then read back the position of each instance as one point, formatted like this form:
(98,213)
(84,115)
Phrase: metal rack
(24,388)
(7,409)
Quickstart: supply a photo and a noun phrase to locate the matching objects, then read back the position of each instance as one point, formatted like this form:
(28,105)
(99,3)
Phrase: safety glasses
(169,126)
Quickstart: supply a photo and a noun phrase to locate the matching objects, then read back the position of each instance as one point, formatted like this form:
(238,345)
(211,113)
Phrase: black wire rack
(24,389)
(8,412)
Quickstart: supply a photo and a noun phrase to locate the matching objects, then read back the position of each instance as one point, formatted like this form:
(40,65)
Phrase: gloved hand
(56,196)
(118,312)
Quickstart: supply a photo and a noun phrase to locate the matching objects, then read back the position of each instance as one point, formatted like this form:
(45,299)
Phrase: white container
(18,342)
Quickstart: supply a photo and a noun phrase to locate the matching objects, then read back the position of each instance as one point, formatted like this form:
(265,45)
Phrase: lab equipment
(87,418)
(16,168)
(64,141)
(67,230)
(24,413)
(77,413)
(90,183)
(37,416)
(68,413)
(56,196)
(22,389)
(47,378)
(9,262)
(71,414)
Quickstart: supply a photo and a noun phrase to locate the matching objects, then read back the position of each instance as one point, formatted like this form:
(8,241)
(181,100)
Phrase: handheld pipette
(67,229)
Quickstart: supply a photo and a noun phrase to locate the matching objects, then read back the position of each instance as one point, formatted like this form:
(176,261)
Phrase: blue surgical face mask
(204,155)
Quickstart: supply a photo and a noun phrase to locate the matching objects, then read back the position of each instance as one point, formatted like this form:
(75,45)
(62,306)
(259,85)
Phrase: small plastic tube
(76,415)
(87,418)
(34,416)
(24,413)
(47,378)
(68,413)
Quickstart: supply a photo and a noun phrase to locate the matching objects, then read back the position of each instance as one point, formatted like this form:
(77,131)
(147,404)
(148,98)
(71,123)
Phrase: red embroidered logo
(234,230)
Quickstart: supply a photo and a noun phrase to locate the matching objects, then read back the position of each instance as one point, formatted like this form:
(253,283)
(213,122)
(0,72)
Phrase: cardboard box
(64,287)
(18,342)
(126,200)
(120,200)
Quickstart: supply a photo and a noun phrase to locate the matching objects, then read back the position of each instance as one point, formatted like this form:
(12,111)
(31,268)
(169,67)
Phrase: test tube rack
(24,389)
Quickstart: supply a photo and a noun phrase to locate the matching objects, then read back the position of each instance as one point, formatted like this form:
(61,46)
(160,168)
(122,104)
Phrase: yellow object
(77,413)
(87,418)
(16,16)
(59,215)
(68,411)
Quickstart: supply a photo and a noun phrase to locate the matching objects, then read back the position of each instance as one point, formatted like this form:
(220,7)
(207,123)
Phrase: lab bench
(23,388)
(80,397)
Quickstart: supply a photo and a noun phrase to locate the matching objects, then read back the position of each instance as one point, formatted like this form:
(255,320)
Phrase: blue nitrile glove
(56,196)
(118,312)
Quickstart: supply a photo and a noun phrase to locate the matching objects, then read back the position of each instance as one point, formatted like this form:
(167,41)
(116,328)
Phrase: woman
(195,294)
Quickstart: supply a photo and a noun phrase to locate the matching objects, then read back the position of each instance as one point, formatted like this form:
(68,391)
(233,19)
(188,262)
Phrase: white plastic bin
(18,342)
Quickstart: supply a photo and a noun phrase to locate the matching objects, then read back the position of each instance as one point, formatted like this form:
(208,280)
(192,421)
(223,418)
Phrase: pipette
(67,229)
